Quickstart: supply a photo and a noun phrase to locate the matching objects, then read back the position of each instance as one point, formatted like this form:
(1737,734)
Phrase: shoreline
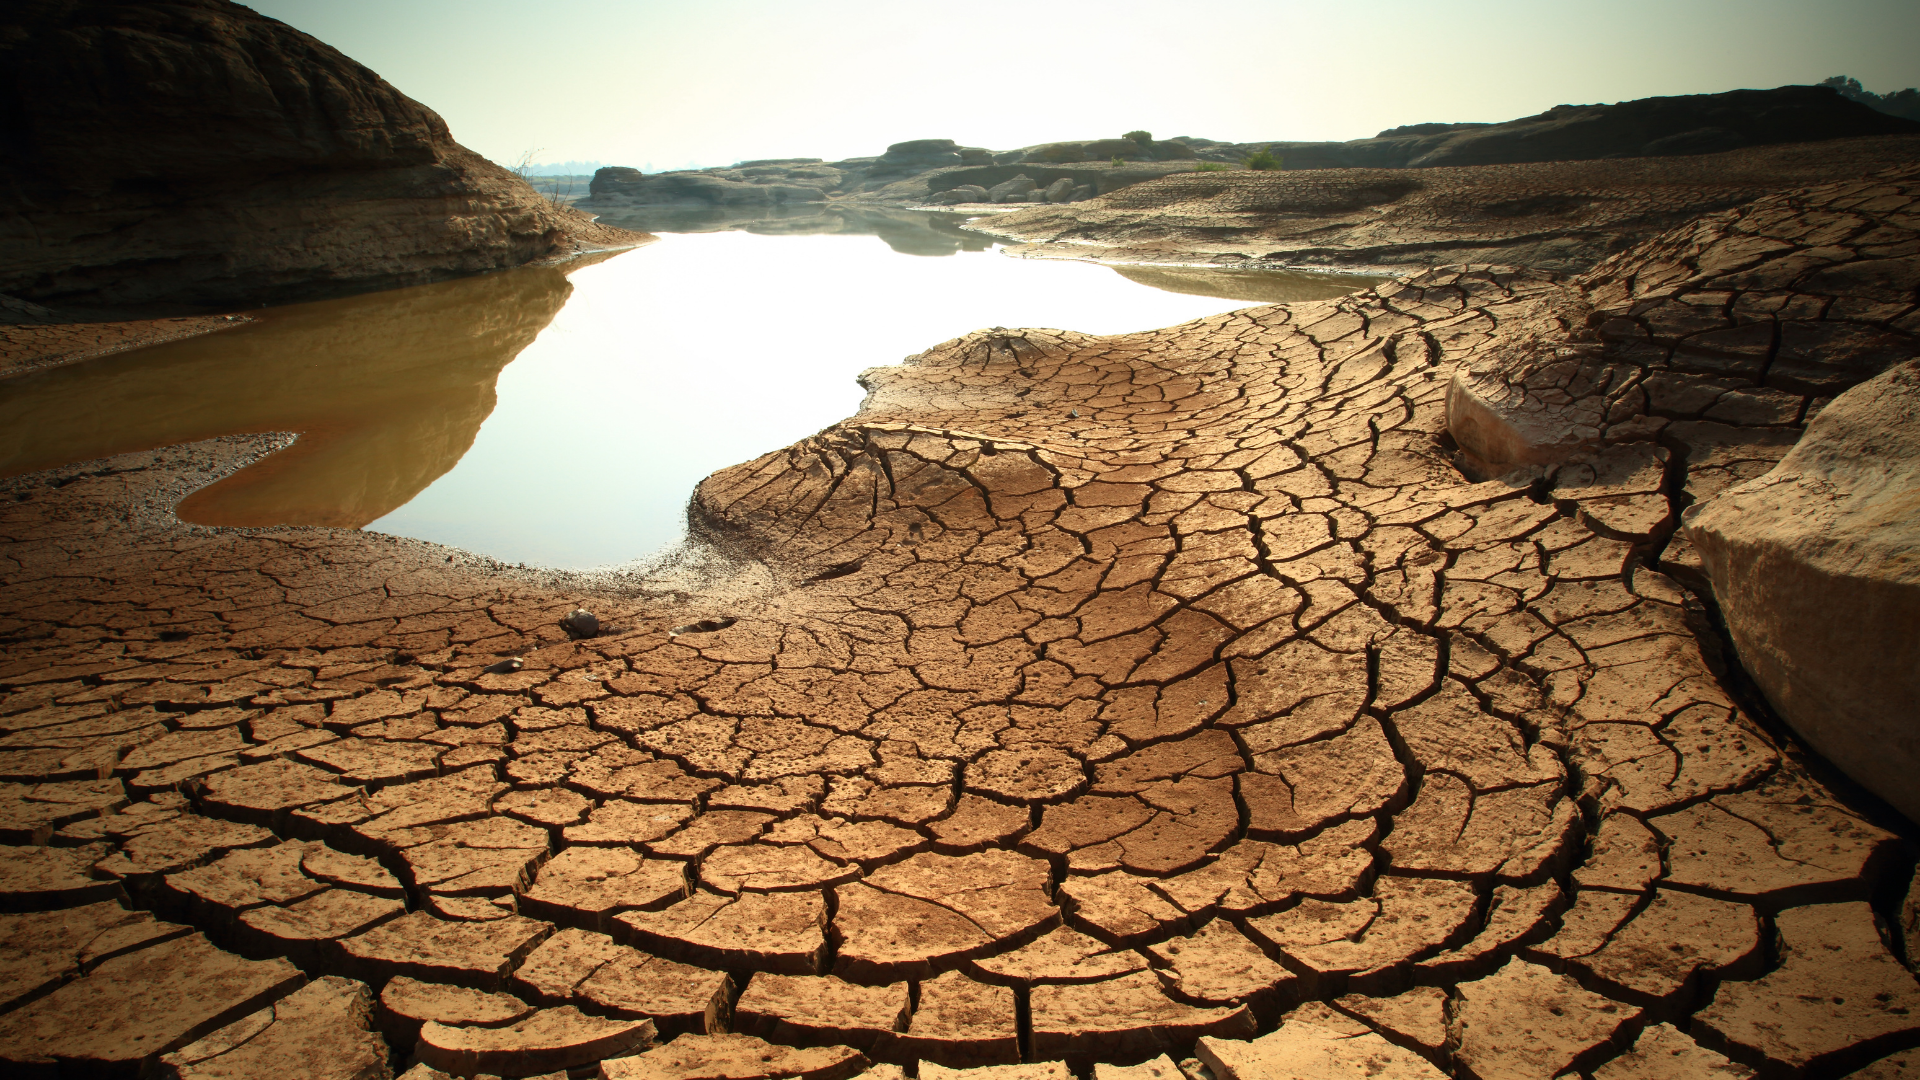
(46,338)
(1195,641)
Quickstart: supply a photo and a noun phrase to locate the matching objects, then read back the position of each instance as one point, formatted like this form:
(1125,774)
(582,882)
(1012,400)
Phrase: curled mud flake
(704,626)
(1218,965)
(1524,1020)
(586,886)
(1837,999)
(121,1011)
(821,1009)
(1129,1017)
(1061,955)
(782,932)
(1663,1052)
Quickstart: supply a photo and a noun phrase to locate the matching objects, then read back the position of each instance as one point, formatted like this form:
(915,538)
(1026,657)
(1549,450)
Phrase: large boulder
(1816,566)
(196,152)
(1019,189)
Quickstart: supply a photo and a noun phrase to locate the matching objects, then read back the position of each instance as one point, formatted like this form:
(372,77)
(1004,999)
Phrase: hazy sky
(714,81)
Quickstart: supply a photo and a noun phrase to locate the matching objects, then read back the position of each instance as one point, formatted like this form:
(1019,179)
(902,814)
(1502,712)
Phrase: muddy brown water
(562,417)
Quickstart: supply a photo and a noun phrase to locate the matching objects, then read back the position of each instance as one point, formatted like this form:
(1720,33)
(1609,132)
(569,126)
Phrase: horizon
(791,74)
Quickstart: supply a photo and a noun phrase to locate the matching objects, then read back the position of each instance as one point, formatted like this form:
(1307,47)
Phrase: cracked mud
(1084,699)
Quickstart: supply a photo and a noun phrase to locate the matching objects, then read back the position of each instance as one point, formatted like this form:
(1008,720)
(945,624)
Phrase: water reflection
(619,385)
(1253,286)
(909,232)
(387,391)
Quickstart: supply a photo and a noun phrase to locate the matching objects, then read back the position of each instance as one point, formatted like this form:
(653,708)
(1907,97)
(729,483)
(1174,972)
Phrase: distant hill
(1647,127)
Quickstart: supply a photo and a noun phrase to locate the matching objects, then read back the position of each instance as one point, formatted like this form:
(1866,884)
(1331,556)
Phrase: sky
(711,82)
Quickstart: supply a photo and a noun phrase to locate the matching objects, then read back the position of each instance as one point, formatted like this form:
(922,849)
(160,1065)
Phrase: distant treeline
(1903,103)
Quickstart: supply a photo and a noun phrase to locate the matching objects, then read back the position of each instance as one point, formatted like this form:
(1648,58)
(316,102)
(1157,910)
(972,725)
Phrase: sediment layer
(1559,217)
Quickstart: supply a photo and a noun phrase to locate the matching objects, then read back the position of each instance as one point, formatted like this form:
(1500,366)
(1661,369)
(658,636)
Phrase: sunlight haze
(680,84)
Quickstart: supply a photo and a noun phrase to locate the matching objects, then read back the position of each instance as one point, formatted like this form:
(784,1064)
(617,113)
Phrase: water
(563,418)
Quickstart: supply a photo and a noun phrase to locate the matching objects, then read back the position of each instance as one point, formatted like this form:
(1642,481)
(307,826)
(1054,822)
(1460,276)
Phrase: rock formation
(1561,217)
(193,152)
(1816,566)
(1087,698)
(1647,127)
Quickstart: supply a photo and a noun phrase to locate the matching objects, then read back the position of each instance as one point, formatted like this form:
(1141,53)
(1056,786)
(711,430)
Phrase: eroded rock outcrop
(1645,127)
(1560,216)
(1117,693)
(1816,566)
(193,152)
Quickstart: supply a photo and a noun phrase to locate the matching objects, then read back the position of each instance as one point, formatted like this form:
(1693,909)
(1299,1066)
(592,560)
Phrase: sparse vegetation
(558,189)
(1263,159)
(1211,166)
(1117,160)
(1903,103)
(1141,137)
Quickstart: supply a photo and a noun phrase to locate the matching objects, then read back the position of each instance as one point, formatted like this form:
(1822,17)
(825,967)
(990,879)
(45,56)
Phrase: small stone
(580,623)
(546,1041)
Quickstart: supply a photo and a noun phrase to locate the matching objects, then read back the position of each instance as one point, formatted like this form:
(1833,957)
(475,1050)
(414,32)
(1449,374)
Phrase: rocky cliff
(194,152)
(1562,216)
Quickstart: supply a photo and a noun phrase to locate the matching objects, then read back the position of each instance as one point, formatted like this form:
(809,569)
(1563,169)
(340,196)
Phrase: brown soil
(1177,682)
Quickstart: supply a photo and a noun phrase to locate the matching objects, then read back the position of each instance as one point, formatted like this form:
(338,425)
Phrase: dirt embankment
(192,154)
(1562,217)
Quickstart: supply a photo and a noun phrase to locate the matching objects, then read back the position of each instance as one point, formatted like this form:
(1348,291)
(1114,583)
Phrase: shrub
(1211,166)
(1138,136)
(1263,160)
(1117,161)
